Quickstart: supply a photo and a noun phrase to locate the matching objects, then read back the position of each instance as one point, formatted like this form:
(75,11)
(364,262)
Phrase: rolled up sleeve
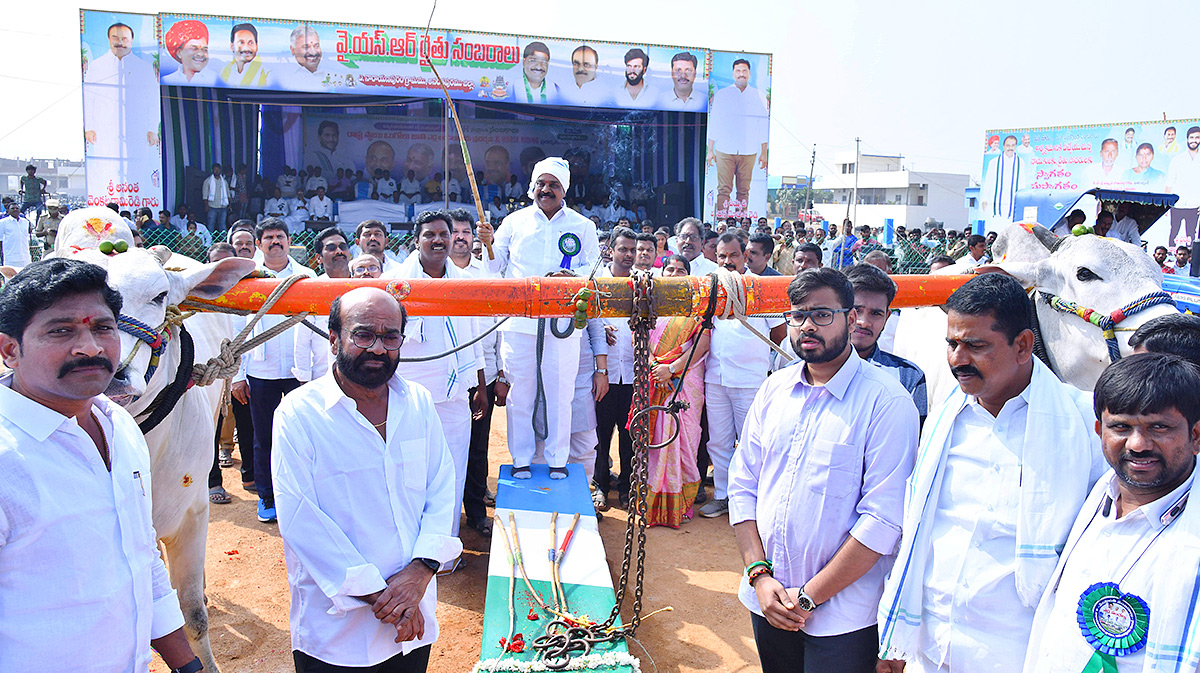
(888,458)
(166,617)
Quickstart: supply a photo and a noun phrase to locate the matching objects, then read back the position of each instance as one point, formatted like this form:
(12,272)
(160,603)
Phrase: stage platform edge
(584,572)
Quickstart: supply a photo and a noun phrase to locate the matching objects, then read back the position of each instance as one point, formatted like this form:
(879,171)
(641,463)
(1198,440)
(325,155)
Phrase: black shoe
(701,496)
(489,498)
(623,499)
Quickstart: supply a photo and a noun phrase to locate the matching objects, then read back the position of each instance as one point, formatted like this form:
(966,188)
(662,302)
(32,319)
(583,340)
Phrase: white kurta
(530,244)
(448,379)
(81,579)
(354,509)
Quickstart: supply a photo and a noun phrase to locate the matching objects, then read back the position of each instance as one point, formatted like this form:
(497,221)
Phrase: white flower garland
(590,662)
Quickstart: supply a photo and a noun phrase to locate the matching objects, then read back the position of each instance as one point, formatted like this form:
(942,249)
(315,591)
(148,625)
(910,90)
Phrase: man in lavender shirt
(816,490)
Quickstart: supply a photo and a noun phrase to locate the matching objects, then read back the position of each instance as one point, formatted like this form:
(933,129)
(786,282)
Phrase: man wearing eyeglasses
(736,366)
(690,236)
(365,488)
(311,352)
(449,379)
(829,443)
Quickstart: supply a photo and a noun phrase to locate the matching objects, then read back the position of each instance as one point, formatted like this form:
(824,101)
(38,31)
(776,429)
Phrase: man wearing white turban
(545,239)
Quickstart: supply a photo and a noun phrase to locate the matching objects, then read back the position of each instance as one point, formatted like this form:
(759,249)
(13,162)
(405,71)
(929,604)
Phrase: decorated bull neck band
(1115,623)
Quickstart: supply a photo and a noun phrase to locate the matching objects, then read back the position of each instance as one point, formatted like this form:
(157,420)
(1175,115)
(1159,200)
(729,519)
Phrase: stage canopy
(678,130)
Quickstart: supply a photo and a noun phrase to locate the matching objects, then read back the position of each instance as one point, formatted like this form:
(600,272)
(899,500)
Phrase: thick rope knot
(735,305)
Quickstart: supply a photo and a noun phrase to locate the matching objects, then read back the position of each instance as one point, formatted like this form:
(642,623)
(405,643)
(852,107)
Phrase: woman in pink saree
(673,476)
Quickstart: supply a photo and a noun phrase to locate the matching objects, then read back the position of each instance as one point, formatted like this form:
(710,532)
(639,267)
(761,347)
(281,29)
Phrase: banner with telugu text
(1051,167)
(320,57)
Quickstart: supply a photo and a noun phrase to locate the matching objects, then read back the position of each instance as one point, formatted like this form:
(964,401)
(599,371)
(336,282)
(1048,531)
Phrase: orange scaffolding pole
(551,297)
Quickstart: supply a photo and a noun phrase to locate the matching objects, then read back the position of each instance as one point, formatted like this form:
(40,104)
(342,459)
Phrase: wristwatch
(192,666)
(805,602)
(433,566)
(501,379)
(671,367)
(602,371)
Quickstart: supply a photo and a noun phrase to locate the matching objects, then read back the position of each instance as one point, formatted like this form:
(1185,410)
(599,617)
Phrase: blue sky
(924,78)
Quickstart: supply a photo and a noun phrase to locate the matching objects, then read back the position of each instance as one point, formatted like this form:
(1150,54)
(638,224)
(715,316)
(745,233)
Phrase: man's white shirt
(738,120)
(430,335)
(528,244)
(1105,551)
(1183,178)
(84,585)
(319,206)
(971,605)
(14,233)
(646,98)
(693,102)
(736,357)
(280,207)
(354,509)
(275,358)
(311,184)
(299,78)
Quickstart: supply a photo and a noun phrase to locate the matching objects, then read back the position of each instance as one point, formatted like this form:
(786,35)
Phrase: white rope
(735,306)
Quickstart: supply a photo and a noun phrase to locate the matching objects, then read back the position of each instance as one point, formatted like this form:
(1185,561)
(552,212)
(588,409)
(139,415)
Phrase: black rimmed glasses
(364,339)
(821,317)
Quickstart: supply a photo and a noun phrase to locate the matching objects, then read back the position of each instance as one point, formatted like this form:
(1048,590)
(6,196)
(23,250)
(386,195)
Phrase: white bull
(181,446)
(1094,272)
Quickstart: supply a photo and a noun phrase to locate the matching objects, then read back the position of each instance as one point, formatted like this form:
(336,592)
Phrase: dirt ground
(694,569)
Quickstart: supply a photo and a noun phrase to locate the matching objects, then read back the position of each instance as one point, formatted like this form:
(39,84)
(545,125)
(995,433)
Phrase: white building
(886,191)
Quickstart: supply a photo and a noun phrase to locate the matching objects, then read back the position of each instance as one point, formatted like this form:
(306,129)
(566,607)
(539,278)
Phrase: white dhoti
(455,415)
(560,365)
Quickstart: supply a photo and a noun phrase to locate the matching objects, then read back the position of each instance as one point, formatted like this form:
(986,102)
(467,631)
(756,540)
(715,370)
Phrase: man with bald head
(365,494)
(544,239)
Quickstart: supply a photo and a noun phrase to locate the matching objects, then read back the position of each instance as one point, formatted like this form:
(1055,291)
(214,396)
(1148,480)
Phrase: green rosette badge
(1113,623)
(569,245)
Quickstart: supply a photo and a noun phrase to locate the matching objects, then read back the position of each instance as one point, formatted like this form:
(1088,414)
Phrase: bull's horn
(1046,237)
(162,252)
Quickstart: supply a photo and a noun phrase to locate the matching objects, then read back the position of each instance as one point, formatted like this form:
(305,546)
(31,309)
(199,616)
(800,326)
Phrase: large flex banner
(141,52)
(1050,167)
(317,57)
(739,109)
(121,110)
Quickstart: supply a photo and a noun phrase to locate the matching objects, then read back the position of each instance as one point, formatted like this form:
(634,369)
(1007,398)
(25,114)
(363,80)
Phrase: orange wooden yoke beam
(552,297)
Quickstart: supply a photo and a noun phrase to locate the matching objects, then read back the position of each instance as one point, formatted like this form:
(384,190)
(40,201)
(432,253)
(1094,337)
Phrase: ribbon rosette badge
(1113,623)
(569,245)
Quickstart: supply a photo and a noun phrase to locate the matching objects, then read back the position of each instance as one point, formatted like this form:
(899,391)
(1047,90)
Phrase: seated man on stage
(545,239)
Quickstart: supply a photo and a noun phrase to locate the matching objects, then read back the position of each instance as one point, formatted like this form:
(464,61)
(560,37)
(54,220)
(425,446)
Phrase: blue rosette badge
(1113,623)
(569,245)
